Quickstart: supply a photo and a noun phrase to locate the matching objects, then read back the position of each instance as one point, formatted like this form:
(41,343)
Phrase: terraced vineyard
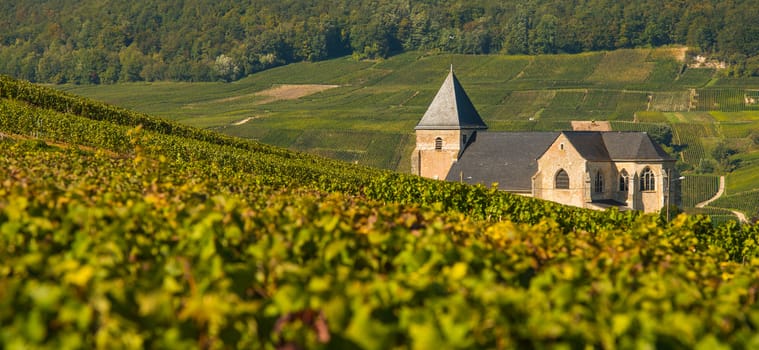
(120,230)
(698,188)
(747,202)
(369,117)
(717,216)
(390,96)
(724,100)
(651,128)
(667,101)
(690,135)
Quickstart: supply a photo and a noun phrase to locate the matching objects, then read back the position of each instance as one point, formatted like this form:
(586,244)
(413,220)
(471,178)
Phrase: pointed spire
(451,109)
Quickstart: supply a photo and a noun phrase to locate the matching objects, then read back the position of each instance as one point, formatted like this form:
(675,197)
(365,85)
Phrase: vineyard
(623,66)
(695,77)
(651,128)
(560,69)
(120,230)
(745,201)
(698,188)
(739,129)
(389,96)
(724,100)
(718,216)
(670,101)
(689,135)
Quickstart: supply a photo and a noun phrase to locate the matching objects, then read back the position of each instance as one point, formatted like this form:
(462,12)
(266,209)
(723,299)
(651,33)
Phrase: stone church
(590,169)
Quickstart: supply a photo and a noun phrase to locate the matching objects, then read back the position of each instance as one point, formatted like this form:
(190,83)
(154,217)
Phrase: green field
(368,118)
(389,96)
(623,67)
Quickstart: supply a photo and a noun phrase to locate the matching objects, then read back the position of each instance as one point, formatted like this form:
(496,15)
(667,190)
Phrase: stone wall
(562,155)
(433,163)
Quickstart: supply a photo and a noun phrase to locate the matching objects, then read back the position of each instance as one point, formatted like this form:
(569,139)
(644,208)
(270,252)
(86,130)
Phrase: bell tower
(449,125)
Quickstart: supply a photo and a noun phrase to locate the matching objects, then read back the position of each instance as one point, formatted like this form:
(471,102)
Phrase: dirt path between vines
(720,192)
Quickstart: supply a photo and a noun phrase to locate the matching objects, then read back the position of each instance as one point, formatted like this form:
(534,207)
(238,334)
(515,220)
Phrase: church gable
(562,150)
(561,174)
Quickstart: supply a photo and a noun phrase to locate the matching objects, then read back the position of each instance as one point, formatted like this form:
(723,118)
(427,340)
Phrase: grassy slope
(369,119)
(169,237)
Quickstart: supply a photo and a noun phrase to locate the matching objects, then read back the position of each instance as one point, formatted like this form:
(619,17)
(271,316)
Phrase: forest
(110,41)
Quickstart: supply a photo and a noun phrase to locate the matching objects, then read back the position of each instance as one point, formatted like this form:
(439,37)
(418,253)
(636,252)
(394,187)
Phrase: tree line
(109,41)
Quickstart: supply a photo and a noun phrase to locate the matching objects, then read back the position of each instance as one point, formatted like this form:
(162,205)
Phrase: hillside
(364,112)
(109,41)
(121,230)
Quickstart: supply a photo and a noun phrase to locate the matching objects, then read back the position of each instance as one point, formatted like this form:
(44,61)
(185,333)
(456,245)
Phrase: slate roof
(590,145)
(451,109)
(633,146)
(508,158)
(616,146)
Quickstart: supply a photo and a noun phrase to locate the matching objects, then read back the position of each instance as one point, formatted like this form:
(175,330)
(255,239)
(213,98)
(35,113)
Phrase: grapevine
(122,236)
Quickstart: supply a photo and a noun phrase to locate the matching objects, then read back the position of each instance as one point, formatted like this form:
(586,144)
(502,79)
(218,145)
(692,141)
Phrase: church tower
(448,126)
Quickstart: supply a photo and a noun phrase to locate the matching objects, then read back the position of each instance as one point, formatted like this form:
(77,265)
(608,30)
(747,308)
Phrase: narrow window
(438,143)
(599,184)
(647,180)
(561,146)
(624,181)
(562,180)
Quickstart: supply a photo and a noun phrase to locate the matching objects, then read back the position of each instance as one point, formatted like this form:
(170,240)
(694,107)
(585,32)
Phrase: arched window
(647,180)
(562,180)
(438,143)
(624,181)
(599,184)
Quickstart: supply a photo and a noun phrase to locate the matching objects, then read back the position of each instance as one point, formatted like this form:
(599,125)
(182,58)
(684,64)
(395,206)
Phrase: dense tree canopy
(107,41)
